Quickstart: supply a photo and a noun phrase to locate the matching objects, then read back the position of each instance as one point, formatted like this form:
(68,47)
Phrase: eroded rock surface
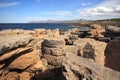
(112,55)
(10,42)
(92,49)
(42,54)
(78,68)
(52,49)
(96,31)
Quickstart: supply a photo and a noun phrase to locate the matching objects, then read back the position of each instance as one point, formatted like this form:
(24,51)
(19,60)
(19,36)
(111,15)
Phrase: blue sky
(22,11)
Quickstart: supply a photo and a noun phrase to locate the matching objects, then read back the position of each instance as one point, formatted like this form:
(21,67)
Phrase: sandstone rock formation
(69,42)
(78,68)
(112,31)
(96,31)
(52,50)
(8,32)
(92,49)
(19,59)
(54,43)
(40,32)
(11,32)
(71,49)
(25,62)
(42,54)
(72,35)
(112,55)
(9,42)
(53,33)
(74,31)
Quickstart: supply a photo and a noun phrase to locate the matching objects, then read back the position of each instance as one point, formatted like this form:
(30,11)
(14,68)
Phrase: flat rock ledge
(10,42)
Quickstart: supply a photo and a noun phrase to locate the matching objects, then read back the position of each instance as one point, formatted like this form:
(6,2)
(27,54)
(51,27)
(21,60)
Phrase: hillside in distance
(104,22)
(59,21)
(84,22)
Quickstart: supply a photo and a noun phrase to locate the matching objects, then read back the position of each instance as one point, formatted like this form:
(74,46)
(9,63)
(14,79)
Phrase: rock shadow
(50,74)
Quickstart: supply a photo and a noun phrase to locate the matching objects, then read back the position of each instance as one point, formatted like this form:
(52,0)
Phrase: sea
(32,26)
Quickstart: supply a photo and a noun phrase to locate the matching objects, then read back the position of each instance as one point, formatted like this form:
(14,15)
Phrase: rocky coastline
(42,54)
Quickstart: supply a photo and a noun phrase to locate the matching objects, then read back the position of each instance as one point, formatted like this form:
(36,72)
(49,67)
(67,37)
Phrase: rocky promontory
(42,54)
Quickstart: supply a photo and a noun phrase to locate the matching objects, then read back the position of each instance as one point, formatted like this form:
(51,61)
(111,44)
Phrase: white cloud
(98,11)
(84,4)
(58,13)
(107,9)
(8,4)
